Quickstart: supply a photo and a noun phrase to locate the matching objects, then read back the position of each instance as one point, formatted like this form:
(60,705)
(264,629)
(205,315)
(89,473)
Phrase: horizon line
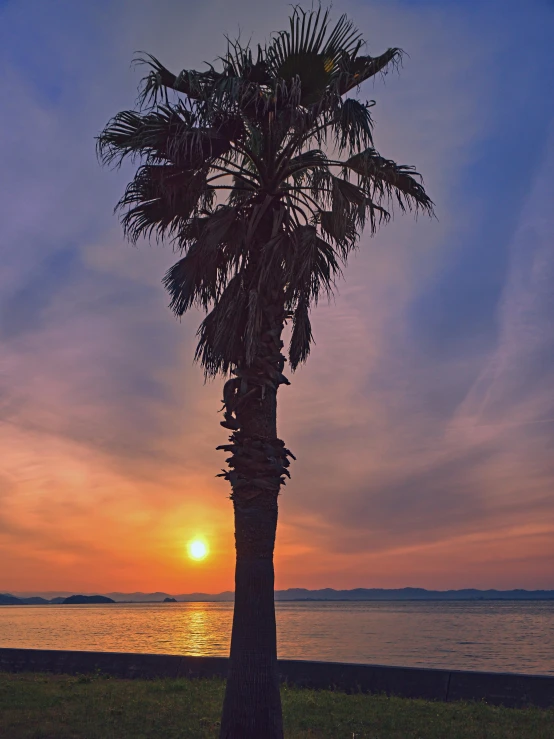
(283,590)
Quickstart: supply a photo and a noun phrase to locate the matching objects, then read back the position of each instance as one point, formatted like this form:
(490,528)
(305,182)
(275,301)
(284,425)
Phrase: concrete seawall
(500,688)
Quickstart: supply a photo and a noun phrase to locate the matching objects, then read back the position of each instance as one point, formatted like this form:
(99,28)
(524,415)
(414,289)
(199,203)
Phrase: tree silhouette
(263,174)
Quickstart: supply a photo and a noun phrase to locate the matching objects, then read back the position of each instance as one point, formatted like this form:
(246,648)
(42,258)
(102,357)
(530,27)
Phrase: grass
(37,706)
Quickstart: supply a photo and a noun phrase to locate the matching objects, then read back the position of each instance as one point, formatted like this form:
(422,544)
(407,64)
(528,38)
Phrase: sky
(423,422)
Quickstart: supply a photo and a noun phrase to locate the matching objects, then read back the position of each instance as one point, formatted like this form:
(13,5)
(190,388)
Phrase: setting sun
(198,549)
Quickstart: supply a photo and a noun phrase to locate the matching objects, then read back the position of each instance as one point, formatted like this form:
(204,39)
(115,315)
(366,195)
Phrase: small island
(169,600)
(81,599)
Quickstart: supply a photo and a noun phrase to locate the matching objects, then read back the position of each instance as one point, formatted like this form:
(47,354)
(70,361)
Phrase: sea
(497,636)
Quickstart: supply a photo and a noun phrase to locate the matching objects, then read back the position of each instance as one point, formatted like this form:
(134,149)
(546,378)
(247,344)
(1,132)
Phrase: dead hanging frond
(301,337)
(221,334)
(201,276)
(353,129)
(253,327)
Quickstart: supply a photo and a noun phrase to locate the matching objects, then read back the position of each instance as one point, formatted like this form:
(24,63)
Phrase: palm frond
(170,133)
(302,165)
(243,190)
(310,53)
(344,207)
(154,85)
(357,69)
(388,180)
(161,199)
(239,63)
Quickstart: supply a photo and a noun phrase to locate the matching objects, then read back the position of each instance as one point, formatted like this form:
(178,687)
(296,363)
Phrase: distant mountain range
(411,594)
(7,599)
(292,594)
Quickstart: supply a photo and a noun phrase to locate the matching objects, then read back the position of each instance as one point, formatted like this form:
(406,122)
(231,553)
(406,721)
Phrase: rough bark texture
(252,706)
(258,462)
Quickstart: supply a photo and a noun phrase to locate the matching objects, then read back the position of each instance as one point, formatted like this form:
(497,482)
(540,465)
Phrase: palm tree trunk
(258,467)
(252,706)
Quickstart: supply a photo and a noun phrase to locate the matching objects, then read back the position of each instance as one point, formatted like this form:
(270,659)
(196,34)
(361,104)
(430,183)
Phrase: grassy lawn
(35,706)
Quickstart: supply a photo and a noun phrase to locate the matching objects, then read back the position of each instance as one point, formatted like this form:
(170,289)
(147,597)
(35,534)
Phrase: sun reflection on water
(198,636)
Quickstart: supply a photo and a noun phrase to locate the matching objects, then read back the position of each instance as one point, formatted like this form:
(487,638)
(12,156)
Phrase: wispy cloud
(422,422)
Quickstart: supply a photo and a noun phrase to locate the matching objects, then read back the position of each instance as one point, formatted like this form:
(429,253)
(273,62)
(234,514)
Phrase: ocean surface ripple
(496,636)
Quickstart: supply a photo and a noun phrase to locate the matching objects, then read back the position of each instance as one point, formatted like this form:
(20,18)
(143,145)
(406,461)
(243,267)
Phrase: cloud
(422,420)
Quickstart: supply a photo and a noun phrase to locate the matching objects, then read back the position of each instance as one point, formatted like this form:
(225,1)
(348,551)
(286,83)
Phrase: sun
(198,549)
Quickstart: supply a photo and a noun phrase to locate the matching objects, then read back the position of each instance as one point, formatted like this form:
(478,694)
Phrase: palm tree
(263,174)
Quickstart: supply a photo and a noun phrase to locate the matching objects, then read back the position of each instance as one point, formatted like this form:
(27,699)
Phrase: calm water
(508,636)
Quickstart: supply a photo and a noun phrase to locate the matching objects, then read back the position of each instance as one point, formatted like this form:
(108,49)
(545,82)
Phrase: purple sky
(423,422)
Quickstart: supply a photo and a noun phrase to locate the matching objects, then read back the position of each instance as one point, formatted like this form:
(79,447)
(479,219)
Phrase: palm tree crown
(263,174)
